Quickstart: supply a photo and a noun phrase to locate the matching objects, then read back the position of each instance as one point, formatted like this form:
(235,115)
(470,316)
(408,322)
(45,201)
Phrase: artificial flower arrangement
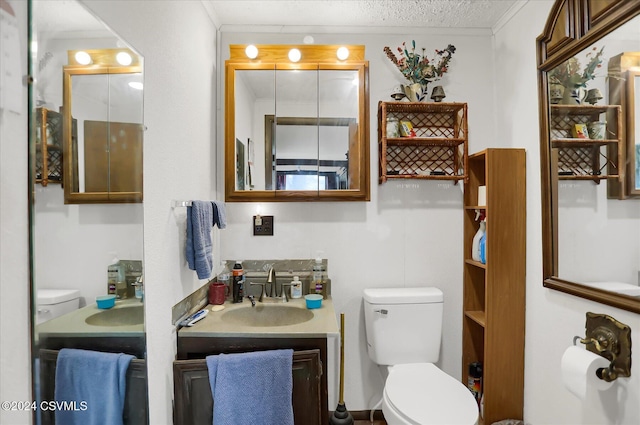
(568,73)
(419,69)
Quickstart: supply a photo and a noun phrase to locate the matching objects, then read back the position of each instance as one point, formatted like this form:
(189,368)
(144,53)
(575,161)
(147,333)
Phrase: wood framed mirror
(296,131)
(102,127)
(590,242)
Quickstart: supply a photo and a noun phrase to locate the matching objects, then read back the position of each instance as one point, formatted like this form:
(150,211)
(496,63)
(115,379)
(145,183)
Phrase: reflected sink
(124,316)
(267,315)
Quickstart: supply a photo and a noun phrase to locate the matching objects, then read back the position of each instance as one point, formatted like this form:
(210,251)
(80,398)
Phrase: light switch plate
(262,225)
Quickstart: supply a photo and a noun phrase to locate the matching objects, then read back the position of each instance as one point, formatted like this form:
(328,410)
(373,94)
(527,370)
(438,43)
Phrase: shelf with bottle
(419,140)
(586,142)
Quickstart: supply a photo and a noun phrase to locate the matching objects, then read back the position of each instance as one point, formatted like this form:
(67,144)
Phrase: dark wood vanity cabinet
(192,393)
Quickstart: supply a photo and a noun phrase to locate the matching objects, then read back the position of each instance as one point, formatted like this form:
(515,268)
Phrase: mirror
(624,90)
(102,126)
(72,245)
(591,242)
(296,130)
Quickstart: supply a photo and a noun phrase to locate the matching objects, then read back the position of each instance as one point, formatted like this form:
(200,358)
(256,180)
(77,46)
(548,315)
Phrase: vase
(573,96)
(556,93)
(415,92)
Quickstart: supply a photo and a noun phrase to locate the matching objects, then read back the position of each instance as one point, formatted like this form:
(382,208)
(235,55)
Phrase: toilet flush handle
(381,311)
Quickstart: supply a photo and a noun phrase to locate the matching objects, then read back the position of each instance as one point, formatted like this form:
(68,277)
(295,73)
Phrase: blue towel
(252,388)
(219,214)
(199,245)
(91,387)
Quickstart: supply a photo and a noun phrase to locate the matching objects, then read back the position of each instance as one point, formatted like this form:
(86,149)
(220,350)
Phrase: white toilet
(404,329)
(52,303)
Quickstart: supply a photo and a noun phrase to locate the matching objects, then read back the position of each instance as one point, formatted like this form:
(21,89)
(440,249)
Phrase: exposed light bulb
(83,58)
(251,51)
(343,53)
(124,58)
(294,55)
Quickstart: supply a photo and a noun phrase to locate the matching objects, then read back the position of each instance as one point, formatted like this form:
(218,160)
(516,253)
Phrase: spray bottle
(475,245)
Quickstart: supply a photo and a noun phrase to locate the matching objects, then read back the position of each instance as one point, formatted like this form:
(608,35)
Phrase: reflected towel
(90,387)
(199,246)
(252,388)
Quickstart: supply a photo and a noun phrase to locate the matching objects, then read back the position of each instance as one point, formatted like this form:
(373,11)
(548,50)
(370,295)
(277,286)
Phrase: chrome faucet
(273,290)
(271,280)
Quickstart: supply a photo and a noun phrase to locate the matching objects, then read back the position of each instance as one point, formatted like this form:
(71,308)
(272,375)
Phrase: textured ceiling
(374,13)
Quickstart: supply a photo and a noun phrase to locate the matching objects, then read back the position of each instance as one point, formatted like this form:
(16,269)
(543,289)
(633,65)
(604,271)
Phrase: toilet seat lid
(426,395)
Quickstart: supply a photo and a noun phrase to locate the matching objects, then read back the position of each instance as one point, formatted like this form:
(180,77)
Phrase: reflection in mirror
(102,126)
(298,130)
(592,238)
(75,247)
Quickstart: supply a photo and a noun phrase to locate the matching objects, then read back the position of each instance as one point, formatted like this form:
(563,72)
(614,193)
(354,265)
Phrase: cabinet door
(194,403)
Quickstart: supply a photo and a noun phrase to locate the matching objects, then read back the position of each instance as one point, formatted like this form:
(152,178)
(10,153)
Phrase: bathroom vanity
(119,329)
(243,328)
(116,330)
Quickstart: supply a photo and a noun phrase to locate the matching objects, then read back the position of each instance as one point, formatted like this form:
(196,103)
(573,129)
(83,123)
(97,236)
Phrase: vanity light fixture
(343,53)
(294,55)
(251,51)
(103,57)
(83,57)
(124,58)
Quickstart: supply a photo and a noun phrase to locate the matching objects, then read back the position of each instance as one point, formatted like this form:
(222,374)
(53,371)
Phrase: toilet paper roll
(579,367)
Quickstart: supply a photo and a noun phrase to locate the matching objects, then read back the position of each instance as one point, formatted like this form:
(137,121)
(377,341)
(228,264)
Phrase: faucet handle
(263,293)
(283,292)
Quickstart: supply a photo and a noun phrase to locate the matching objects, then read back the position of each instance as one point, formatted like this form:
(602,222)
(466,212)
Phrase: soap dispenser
(296,287)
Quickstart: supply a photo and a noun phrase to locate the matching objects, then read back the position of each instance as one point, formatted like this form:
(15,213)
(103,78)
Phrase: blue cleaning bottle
(475,244)
(483,247)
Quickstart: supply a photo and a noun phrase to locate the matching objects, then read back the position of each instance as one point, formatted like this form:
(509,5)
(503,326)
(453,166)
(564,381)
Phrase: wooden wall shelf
(437,152)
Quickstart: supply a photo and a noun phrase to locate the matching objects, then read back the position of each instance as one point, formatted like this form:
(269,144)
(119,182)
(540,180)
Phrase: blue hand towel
(252,388)
(199,246)
(219,214)
(90,386)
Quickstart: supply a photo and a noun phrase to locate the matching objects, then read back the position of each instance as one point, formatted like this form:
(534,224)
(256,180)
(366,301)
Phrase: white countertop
(73,324)
(323,323)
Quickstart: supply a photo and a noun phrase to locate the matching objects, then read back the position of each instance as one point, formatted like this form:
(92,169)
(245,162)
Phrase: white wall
(410,234)
(15,339)
(553,318)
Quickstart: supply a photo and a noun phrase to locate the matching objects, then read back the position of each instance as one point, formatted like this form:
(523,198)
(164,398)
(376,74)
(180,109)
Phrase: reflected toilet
(52,303)
(403,332)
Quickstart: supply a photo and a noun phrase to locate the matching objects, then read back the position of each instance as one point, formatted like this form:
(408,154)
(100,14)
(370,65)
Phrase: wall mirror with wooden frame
(296,131)
(102,126)
(591,240)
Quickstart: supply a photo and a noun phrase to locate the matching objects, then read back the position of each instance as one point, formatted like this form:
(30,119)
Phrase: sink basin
(124,316)
(267,315)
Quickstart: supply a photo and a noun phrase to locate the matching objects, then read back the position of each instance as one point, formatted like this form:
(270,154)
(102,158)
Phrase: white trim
(338,29)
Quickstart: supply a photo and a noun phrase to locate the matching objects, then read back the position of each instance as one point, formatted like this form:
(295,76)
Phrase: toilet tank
(52,303)
(403,325)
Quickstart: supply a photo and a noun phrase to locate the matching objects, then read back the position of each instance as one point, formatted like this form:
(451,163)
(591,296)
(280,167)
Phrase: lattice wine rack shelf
(48,147)
(586,158)
(437,149)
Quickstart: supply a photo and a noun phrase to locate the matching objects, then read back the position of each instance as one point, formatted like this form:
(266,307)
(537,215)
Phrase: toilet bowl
(404,331)
(420,394)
